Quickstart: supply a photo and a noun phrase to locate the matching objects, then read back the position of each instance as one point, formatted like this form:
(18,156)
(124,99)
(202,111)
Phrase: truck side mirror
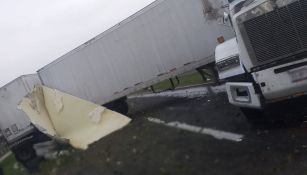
(225,18)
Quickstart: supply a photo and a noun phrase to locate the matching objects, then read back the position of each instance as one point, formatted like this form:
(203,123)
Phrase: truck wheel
(124,108)
(120,106)
(280,115)
(26,155)
(253,115)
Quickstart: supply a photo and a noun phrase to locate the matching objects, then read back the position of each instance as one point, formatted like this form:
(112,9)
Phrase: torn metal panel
(67,117)
(34,106)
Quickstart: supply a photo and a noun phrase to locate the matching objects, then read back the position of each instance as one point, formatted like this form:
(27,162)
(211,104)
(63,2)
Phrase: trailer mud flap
(69,118)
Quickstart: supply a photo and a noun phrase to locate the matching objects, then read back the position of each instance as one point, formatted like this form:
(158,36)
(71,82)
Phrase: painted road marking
(221,135)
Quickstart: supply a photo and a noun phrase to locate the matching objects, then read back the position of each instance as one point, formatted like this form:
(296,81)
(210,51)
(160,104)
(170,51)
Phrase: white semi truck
(166,38)
(265,66)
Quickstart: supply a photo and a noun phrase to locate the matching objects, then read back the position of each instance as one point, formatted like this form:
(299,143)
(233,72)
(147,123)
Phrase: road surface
(199,134)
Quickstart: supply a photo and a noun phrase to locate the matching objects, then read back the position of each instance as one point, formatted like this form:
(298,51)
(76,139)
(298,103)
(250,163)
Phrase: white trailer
(14,123)
(166,38)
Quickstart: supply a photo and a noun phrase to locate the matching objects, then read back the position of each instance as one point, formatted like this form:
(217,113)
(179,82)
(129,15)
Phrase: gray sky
(35,32)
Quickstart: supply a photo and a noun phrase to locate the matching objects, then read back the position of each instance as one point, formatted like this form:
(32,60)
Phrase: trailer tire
(26,155)
(120,106)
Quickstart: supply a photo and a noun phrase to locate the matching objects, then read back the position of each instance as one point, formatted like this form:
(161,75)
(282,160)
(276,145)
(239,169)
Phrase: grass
(189,79)
(8,167)
(11,167)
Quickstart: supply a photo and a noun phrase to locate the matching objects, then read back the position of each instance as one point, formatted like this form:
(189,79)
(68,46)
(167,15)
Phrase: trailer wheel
(26,155)
(120,106)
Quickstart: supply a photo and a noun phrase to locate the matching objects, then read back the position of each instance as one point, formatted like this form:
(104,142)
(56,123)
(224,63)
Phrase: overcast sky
(35,32)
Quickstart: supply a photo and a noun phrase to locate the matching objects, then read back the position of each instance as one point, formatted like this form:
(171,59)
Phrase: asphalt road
(189,136)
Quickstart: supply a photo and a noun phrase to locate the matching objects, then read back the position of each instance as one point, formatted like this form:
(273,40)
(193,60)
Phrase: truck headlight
(229,63)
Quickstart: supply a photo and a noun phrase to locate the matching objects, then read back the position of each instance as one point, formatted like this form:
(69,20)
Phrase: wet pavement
(190,136)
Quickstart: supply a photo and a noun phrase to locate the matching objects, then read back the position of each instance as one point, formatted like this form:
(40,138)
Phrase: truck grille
(280,33)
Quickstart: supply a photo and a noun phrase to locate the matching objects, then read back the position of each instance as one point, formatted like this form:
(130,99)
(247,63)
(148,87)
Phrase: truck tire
(288,112)
(120,106)
(25,154)
(274,115)
(124,108)
(254,116)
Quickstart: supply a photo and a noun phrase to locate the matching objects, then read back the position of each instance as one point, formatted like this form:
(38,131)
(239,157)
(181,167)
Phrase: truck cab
(271,37)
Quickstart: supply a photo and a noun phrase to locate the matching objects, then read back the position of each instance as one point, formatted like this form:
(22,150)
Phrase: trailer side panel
(159,40)
(13,122)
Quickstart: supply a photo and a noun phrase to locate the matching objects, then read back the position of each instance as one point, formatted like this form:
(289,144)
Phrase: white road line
(221,135)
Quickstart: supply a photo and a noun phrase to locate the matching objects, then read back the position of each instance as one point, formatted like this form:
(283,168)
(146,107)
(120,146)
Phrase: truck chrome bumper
(243,95)
(283,81)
